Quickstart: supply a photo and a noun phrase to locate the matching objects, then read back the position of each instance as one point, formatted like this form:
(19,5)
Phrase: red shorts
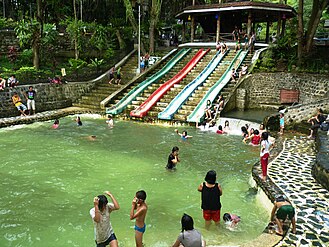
(211,215)
(264,163)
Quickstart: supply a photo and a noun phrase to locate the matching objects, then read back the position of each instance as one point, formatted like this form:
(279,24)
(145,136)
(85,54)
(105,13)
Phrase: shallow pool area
(49,178)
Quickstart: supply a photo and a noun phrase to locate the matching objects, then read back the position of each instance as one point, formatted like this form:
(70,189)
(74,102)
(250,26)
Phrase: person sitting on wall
(2,84)
(316,122)
(18,103)
(12,81)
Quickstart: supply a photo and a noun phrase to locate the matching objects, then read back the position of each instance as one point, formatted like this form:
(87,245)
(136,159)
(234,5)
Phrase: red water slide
(142,110)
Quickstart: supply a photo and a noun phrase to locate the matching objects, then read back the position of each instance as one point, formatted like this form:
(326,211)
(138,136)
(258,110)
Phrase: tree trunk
(300,33)
(317,10)
(76,51)
(37,36)
(131,18)
(154,18)
(122,43)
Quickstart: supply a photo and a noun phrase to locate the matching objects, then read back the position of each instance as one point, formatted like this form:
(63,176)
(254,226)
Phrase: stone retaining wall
(263,89)
(49,97)
(8,38)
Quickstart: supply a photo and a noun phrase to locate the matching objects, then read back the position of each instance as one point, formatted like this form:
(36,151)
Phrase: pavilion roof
(261,8)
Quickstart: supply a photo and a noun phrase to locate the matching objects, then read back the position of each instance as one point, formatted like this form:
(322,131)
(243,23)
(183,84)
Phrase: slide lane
(132,94)
(211,95)
(182,97)
(142,110)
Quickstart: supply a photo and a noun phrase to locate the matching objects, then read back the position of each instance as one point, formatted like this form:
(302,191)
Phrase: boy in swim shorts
(282,210)
(140,206)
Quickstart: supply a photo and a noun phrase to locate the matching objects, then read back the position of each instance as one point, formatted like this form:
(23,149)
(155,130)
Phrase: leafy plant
(77,64)
(96,63)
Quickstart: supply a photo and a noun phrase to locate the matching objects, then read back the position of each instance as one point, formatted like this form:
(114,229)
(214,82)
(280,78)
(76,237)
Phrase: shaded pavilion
(218,19)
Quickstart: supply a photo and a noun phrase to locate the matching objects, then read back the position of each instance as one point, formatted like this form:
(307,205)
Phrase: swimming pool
(49,178)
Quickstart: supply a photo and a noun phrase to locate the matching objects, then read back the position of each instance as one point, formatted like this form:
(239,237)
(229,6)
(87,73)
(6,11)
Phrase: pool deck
(290,172)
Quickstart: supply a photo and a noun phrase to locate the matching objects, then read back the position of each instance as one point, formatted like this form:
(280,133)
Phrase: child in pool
(183,135)
(140,206)
(231,220)
(78,120)
(55,124)
(220,130)
(109,121)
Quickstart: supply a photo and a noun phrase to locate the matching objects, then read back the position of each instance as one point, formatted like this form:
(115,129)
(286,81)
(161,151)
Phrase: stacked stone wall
(49,97)
(8,38)
(263,89)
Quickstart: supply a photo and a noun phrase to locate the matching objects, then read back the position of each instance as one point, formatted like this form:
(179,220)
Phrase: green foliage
(25,32)
(75,30)
(25,57)
(96,62)
(7,23)
(109,53)
(50,34)
(77,63)
(99,38)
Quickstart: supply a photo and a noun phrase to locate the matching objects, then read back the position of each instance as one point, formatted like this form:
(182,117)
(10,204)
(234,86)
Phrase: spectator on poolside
(210,197)
(173,159)
(2,84)
(252,42)
(140,206)
(111,74)
(18,103)
(189,236)
(12,81)
(244,70)
(100,213)
(316,121)
(265,148)
(30,96)
(282,210)
(234,75)
(281,123)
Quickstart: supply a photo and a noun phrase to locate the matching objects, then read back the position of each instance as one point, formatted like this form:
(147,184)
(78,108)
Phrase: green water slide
(212,93)
(136,91)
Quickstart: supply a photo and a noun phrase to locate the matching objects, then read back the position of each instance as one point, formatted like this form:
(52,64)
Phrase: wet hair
(227,123)
(141,195)
(265,136)
(252,130)
(220,127)
(184,132)
(109,116)
(256,132)
(56,121)
(187,222)
(227,217)
(210,177)
(30,87)
(208,101)
(102,202)
(244,130)
(174,149)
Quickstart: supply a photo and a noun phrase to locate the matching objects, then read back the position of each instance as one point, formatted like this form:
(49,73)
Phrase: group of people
(30,101)
(115,73)
(212,111)
(249,41)
(144,63)
(100,214)
(109,122)
(221,46)
(12,82)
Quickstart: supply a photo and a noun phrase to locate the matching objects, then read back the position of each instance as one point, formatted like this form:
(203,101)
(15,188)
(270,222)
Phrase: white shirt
(265,146)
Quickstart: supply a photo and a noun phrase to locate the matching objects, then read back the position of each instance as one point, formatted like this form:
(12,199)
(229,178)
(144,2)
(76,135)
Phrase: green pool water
(49,178)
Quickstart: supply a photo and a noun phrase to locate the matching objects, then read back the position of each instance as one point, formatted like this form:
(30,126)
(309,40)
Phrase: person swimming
(231,220)
(183,135)
(78,120)
(55,124)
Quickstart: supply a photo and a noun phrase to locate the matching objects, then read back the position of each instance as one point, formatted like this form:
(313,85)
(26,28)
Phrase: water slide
(211,95)
(132,94)
(182,97)
(142,110)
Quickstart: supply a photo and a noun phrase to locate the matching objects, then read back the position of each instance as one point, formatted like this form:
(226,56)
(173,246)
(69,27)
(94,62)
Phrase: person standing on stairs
(111,74)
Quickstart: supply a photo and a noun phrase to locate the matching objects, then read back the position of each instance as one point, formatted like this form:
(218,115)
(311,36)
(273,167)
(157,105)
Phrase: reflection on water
(49,178)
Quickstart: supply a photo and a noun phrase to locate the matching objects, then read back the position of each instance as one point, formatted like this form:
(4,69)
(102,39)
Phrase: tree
(305,40)
(154,19)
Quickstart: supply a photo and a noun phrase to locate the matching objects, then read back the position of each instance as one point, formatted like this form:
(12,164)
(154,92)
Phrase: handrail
(127,99)
(142,110)
(182,97)
(211,95)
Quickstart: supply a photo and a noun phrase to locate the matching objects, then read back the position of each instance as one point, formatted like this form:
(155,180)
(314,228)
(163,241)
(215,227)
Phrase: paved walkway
(291,171)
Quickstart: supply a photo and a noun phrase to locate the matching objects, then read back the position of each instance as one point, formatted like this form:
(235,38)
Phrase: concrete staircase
(172,93)
(150,89)
(197,96)
(103,89)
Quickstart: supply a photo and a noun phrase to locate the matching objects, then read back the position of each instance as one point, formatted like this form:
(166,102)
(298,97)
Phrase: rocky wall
(263,89)
(49,96)
(8,38)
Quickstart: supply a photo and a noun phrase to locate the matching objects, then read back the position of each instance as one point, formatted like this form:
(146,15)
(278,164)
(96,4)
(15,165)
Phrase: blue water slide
(136,91)
(181,98)
(212,93)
